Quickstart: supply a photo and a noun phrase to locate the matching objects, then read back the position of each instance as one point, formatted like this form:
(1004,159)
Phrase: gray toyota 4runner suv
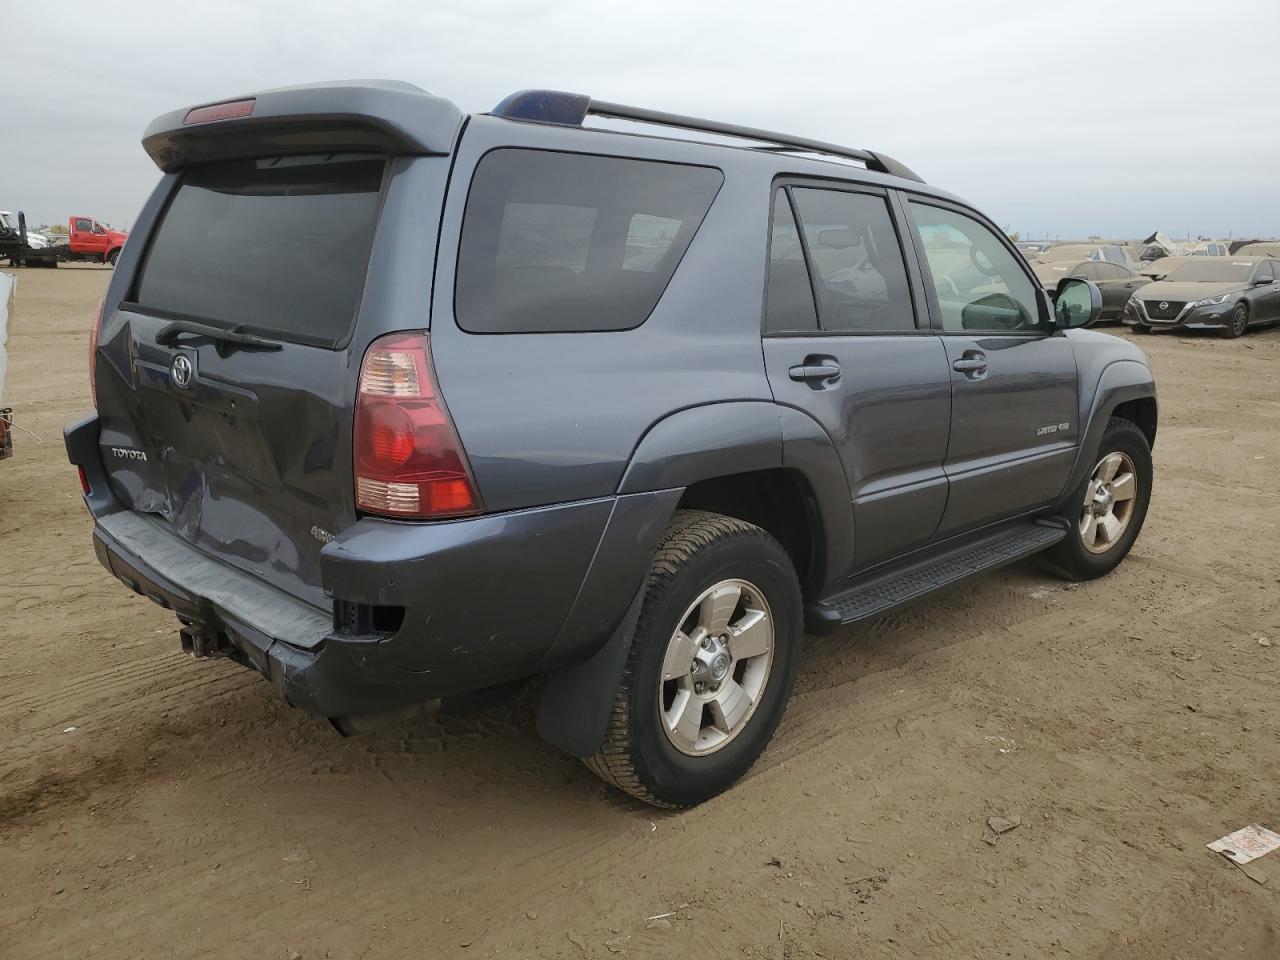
(395,403)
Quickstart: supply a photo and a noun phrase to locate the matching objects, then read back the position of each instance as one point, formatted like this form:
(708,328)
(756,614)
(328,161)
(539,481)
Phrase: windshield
(1213,270)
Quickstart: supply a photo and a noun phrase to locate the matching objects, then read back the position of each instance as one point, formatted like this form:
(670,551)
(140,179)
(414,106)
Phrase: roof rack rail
(570,109)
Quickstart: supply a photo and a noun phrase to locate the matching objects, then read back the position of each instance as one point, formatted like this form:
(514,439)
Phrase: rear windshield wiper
(169,333)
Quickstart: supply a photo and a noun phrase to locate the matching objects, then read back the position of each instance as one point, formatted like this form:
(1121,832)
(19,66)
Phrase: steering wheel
(987,271)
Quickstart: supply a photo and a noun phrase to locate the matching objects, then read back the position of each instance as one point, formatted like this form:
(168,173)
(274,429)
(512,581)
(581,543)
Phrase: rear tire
(1239,322)
(673,740)
(1107,510)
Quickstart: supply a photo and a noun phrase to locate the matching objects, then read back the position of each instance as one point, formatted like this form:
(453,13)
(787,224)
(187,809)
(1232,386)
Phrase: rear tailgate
(244,448)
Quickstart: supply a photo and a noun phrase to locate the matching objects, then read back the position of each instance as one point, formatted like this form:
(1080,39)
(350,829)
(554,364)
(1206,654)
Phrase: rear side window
(789,301)
(858,271)
(277,245)
(83,225)
(561,242)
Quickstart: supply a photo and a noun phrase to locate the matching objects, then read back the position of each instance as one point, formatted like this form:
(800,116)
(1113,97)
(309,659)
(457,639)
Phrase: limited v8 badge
(1052,428)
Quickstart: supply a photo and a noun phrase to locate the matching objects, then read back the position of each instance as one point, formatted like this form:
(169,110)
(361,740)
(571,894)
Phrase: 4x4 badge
(182,371)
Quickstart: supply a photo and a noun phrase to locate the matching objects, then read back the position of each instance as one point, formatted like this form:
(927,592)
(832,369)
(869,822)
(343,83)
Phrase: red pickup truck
(87,239)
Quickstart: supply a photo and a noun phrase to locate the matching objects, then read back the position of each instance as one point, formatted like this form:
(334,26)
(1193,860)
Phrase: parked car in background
(87,241)
(1211,293)
(1159,269)
(9,229)
(1205,248)
(1116,282)
(1260,248)
(420,413)
(91,241)
(1111,252)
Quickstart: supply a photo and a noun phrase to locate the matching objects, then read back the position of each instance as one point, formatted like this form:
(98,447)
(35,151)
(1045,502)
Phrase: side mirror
(1261,281)
(1079,303)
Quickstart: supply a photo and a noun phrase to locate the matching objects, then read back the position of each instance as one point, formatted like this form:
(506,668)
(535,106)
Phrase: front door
(1014,406)
(1268,301)
(85,240)
(860,359)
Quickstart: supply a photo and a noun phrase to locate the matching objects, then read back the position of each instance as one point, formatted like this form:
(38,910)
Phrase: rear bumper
(421,610)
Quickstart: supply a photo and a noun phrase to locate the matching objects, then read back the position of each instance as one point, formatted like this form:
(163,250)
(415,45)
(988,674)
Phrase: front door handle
(815,372)
(973,364)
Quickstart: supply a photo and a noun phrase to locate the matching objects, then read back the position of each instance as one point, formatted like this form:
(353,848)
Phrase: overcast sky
(1057,119)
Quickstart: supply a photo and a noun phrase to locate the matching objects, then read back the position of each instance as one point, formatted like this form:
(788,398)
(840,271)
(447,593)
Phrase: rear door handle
(973,364)
(810,372)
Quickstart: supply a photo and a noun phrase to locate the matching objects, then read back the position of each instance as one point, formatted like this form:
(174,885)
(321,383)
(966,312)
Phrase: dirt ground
(152,806)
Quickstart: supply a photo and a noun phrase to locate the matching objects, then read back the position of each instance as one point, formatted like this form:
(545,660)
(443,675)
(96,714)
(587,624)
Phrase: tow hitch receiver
(201,642)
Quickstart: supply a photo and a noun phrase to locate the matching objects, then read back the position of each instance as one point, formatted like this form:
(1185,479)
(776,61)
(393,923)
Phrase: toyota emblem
(1164,304)
(182,371)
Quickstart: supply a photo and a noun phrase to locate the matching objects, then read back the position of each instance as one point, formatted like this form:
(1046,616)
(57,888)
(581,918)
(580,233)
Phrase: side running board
(885,590)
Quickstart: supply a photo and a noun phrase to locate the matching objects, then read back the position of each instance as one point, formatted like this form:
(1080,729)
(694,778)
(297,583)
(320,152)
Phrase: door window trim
(905,197)
(915,283)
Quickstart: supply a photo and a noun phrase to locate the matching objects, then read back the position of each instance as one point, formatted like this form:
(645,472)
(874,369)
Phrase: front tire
(1106,511)
(1238,324)
(711,664)
(112,257)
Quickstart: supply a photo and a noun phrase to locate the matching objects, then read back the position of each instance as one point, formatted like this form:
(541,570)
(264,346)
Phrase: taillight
(408,459)
(93,351)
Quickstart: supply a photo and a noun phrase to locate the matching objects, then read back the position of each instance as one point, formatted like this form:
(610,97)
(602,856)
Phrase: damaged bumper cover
(420,610)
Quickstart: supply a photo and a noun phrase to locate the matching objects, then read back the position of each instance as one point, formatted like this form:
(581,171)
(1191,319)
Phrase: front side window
(858,272)
(563,242)
(1264,272)
(978,282)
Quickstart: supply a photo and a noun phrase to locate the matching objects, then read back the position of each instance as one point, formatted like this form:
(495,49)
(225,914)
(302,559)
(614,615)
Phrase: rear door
(1013,375)
(859,358)
(245,450)
(1117,284)
(1269,294)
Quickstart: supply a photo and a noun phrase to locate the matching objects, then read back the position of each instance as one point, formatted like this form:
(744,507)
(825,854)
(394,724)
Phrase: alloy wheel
(716,667)
(1239,320)
(1109,500)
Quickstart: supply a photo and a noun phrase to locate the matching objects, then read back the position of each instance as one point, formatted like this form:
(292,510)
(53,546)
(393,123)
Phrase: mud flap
(573,711)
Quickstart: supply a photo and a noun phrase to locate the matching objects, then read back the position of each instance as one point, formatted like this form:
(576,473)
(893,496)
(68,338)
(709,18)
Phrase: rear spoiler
(355,116)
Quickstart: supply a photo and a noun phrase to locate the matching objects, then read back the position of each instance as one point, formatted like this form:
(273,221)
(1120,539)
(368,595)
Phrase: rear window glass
(561,242)
(276,245)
